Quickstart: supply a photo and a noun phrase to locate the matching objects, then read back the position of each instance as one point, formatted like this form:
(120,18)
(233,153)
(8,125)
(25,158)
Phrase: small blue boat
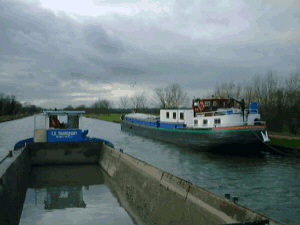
(58,126)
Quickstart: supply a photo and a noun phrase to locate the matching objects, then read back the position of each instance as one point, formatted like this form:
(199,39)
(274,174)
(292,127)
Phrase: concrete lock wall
(14,178)
(64,153)
(153,196)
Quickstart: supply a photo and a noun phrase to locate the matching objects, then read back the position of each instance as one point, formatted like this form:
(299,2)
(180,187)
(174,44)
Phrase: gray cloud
(54,59)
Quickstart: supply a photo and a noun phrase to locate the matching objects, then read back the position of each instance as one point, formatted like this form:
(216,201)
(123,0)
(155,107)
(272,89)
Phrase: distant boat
(58,126)
(212,124)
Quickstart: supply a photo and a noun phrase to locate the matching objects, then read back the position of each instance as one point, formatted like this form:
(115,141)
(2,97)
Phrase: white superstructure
(211,113)
(184,116)
(205,113)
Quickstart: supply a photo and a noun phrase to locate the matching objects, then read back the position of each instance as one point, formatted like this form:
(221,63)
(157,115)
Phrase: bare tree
(171,96)
(102,106)
(161,95)
(225,89)
(248,93)
(138,101)
(124,102)
(105,105)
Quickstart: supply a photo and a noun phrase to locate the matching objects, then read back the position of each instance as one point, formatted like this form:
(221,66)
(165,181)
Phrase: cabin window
(207,104)
(174,115)
(195,122)
(182,116)
(204,122)
(215,103)
(168,115)
(73,122)
(217,121)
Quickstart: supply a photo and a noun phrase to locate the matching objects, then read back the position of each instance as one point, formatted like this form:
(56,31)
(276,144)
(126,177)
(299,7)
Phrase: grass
(285,139)
(112,117)
(294,143)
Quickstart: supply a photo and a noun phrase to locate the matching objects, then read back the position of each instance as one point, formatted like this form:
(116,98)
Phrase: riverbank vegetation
(286,142)
(112,117)
(11,109)
(278,99)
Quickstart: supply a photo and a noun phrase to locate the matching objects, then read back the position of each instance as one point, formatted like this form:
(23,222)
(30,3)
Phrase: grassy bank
(12,117)
(286,142)
(285,139)
(112,117)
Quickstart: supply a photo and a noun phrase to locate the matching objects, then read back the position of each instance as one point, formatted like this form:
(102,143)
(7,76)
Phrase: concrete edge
(217,205)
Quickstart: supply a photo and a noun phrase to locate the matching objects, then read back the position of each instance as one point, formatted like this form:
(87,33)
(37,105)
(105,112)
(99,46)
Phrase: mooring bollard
(235,199)
(227,196)
(10,154)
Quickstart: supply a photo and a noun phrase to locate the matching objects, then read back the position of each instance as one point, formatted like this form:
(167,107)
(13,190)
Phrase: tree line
(278,99)
(10,106)
(171,96)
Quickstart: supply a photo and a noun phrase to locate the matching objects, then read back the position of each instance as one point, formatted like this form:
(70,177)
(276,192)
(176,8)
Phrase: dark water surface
(71,195)
(267,183)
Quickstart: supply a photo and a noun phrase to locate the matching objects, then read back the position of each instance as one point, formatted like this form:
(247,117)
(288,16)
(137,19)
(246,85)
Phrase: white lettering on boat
(63,134)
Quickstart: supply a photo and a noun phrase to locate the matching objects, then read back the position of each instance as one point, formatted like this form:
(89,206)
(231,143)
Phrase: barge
(148,194)
(211,124)
(53,126)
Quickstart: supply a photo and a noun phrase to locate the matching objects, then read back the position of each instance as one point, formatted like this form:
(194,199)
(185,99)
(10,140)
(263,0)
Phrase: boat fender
(22,143)
(227,196)
(235,199)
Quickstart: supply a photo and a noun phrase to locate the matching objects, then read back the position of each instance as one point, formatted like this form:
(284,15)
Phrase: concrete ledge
(14,178)
(64,153)
(153,196)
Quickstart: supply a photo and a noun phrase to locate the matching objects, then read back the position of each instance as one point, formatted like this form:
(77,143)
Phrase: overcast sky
(54,53)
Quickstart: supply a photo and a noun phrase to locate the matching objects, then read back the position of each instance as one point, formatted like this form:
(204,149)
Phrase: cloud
(55,55)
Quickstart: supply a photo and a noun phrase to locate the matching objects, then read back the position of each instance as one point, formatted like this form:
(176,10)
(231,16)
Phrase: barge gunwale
(209,130)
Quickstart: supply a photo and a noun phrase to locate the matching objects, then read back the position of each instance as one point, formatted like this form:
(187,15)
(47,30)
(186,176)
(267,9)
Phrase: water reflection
(71,195)
(64,197)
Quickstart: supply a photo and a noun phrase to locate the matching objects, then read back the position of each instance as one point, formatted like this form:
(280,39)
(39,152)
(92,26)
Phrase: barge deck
(149,194)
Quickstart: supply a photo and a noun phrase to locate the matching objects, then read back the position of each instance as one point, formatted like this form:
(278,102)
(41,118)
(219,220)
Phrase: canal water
(267,183)
(71,195)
